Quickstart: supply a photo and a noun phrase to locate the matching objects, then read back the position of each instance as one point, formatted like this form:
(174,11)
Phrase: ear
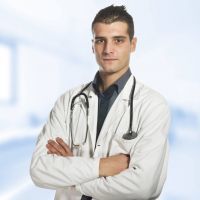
(133,44)
(92,45)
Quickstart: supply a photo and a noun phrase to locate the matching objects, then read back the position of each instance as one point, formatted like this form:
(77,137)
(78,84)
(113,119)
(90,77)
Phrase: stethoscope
(129,135)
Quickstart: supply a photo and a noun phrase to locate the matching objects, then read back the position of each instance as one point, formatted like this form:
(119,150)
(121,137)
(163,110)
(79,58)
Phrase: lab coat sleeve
(146,174)
(52,171)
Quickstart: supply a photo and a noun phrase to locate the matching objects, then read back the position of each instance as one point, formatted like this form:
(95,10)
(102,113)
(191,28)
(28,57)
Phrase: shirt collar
(120,83)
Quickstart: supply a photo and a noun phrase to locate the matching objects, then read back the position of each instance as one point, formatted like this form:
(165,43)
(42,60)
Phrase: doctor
(107,139)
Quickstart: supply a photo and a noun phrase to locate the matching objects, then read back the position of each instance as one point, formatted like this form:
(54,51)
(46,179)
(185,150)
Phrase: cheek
(124,53)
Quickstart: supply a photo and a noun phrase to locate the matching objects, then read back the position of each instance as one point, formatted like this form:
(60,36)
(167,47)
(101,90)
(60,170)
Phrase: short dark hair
(112,14)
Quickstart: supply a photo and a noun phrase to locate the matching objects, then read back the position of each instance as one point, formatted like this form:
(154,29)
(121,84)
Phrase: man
(106,139)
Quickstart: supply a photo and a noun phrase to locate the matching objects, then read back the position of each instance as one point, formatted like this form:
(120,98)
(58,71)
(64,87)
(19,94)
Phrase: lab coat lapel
(92,115)
(117,111)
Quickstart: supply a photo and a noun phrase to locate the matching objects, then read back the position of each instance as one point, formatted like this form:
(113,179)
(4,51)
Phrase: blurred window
(6,92)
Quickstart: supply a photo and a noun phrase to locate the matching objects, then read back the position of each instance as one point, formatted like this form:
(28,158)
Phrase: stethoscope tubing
(127,136)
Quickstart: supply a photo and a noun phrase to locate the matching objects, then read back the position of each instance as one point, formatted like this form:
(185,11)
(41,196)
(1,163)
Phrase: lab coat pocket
(120,145)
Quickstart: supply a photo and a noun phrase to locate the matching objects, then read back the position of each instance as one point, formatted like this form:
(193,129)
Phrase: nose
(108,48)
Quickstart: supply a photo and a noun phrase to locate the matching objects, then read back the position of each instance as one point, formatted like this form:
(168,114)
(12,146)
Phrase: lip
(109,59)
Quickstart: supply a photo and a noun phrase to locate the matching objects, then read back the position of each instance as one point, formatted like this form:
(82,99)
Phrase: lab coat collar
(119,84)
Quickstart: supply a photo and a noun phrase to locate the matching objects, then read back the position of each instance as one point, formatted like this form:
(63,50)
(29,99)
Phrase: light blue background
(51,44)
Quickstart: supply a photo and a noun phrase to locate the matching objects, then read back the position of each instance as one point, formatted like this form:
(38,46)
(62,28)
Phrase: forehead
(110,30)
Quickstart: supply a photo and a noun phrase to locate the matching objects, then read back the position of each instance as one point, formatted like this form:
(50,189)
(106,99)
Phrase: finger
(50,147)
(52,150)
(54,153)
(64,145)
(56,148)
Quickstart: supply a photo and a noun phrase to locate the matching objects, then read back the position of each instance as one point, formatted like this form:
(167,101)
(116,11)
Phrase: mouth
(109,59)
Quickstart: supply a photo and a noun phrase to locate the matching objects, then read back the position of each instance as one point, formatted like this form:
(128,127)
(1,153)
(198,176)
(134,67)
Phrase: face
(112,47)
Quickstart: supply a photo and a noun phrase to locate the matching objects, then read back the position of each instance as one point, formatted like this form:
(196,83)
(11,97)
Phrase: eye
(119,40)
(99,41)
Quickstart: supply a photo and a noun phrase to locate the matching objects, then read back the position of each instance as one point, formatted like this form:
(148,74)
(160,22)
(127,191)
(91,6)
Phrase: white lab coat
(73,176)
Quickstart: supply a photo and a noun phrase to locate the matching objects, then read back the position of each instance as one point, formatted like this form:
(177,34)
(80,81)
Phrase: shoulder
(151,101)
(149,95)
(65,98)
(154,110)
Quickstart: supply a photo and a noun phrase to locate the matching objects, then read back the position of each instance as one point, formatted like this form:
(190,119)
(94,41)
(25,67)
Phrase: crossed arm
(143,179)
(56,168)
(109,166)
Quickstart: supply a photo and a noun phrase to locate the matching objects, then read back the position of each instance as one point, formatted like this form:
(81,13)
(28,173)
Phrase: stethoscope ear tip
(130,135)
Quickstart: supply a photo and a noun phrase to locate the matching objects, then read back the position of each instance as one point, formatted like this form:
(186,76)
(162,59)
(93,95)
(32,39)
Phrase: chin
(107,71)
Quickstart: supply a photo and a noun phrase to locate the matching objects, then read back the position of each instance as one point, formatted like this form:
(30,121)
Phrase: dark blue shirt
(107,98)
(105,101)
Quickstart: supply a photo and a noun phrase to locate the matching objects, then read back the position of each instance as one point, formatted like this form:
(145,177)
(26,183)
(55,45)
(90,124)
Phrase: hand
(58,147)
(113,165)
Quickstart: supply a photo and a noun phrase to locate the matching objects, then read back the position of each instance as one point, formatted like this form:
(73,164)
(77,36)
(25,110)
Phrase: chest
(116,124)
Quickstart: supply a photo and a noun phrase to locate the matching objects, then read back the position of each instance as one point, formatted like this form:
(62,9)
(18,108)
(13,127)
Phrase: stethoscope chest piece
(130,135)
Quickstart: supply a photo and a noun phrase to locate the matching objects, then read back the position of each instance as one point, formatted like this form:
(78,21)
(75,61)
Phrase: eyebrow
(120,37)
(115,37)
(99,38)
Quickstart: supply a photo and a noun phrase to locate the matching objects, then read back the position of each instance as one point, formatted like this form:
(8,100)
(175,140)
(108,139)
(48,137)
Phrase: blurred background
(45,49)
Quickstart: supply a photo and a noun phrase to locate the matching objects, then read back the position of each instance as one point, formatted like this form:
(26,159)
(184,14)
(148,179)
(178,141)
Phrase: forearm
(143,180)
(51,171)
(113,165)
(59,162)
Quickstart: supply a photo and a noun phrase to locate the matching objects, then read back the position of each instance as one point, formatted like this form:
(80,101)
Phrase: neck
(109,78)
